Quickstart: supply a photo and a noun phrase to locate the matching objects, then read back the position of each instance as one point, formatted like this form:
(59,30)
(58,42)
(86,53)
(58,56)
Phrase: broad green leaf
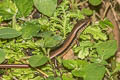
(38,60)
(29,30)
(90,72)
(47,7)
(87,11)
(24,7)
(2,56)
(106,49)
(7,9)
(69,64)
(95,2)
(94,72)
(6,33)
(52,41)
(79,71)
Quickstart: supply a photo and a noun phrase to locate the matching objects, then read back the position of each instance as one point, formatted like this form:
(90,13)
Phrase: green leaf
(47,7)
(81,63)
(69,64)
(87,11)
(96,32)
(1,19)
(86,44)
(52,41)
(24,7)
(7,33)
(79,72)
(105,23)
(98,60)
(53,78)
(90,72)
(40,43)
(67,76)
(106,49)
(2,56)
(45,34)
(29,30)
(7,9)
(83,53)
(38,60)
(76,14)
(95,2)
(94,72)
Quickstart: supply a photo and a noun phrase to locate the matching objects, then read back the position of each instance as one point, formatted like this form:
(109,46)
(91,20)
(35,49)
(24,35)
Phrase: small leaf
(38,60)
(95,2)
(107,49)
(24,7)
(106,23)
(87,11)
(7,33)
(67,76)
(29,30)
(69,64)
(47,7)
(2,56)
(83,53)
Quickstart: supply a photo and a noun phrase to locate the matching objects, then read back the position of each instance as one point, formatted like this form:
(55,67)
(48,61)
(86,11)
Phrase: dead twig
(42,72)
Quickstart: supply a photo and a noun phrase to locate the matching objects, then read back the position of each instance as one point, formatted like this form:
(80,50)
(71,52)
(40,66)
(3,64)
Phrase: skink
(67,44)
(70,40)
